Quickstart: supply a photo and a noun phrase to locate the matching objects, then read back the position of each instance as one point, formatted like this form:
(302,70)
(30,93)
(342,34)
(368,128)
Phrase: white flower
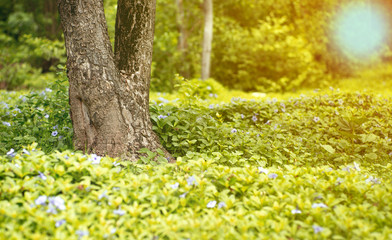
(316,119)
(319,205)
(211,204)
(41,200)
(46,116)
(263,170)
(116,164)
(25,152)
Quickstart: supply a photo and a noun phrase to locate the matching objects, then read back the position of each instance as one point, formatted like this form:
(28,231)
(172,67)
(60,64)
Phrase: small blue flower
(273,175)
(60,222)
(242,116)
(41,200)
(54,133)
(55,127)
(103,195)
(234,130)
(116,164)
(42,176)
(175,186)
(119,212)
(296,211)
(162,117)
(211,106)
(319,205)
(263,170)
(317,229)
(25,152)
(95,159)
(46,116)
(82,233)
(183,195)
(48,90)
(11,153)
(7,124)
(211,204)
(254,118)
(58,202)
(221,204)
(191,181)
(316,119)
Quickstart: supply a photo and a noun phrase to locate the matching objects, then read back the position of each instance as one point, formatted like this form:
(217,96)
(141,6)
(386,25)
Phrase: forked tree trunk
(207,40)
(109,93)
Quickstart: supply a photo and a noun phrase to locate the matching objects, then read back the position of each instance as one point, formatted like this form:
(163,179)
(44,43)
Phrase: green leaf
(328,148)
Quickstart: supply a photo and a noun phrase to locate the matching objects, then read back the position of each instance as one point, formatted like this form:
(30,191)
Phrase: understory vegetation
(249,166)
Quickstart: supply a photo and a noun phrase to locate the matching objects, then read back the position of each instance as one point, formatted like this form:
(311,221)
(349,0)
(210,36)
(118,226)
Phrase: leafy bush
(37,117)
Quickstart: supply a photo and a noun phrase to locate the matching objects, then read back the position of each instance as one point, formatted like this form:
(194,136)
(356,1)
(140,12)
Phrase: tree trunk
(207,40)
(109,93)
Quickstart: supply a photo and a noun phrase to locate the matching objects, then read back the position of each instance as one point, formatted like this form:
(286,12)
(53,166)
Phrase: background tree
(109,92)
(207,39)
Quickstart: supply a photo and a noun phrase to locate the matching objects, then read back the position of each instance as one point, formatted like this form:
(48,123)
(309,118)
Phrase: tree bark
(109,93)
(207,39)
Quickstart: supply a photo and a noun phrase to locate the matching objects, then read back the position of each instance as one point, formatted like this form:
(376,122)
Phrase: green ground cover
(249,166)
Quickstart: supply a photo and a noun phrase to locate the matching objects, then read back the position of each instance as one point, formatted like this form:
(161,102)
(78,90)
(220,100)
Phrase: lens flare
(361,29)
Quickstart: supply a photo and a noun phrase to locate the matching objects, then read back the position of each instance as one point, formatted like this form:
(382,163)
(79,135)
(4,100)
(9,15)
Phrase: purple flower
(46,116)
(211,204)
(103,195)
(54,133)
(25,152)
(211,106)
(316,119)
(234,130)
(7,124)
(242,116)
(58,202)
(162,117)
(254,118)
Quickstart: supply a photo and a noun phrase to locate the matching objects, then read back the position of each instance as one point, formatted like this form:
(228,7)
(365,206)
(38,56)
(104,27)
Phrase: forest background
(263,46)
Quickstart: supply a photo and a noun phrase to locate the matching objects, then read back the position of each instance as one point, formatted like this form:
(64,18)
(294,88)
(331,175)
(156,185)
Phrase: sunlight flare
(361,29)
